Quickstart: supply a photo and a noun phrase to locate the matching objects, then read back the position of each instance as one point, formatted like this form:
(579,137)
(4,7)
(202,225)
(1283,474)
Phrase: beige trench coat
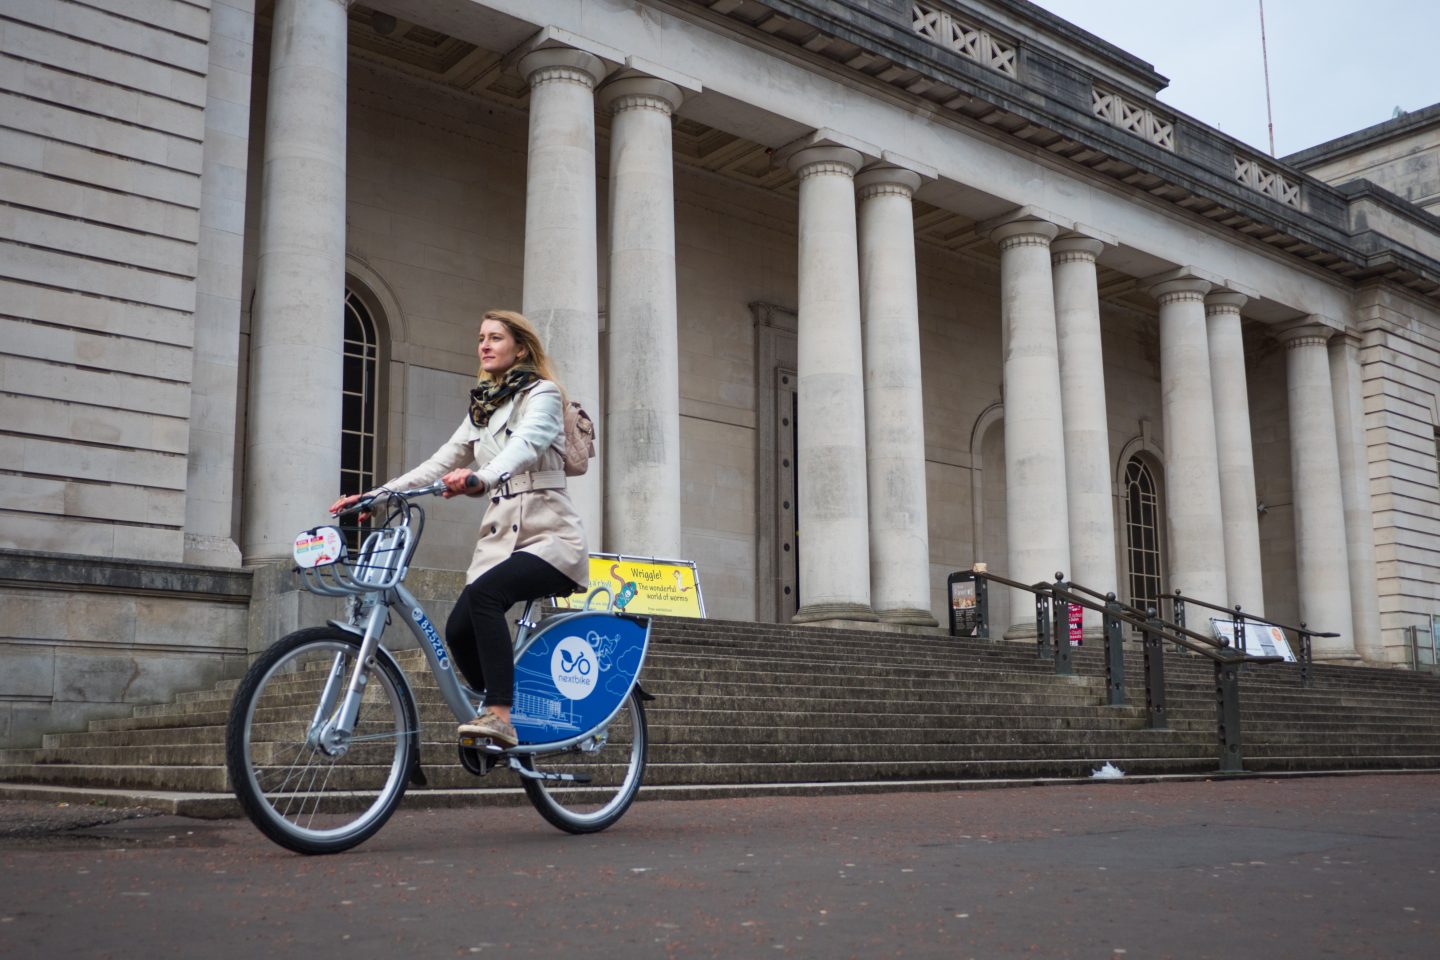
(526,434)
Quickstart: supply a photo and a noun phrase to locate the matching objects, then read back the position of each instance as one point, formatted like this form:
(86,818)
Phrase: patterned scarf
(489,395)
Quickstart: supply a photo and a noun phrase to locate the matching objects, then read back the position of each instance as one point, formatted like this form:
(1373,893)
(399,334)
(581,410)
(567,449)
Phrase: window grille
(1142,534)
(357,434)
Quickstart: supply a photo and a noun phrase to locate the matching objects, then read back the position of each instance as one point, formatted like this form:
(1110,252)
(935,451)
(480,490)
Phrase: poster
(1261,639)
(1077,625)
(965,612)
(667,588)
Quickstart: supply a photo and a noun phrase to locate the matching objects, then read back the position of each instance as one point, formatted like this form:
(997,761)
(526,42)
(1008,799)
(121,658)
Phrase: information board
(668,588)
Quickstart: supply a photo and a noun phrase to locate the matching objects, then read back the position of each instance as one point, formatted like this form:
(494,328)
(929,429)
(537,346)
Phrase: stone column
(1321,555)
(561,295)
(1192,476)
(894,404)
(642,416)
(210,530)
(1360,526)
(1037,519)
(1088,478)
(833,519)
(1346,384)
(1234,452)
(292,437)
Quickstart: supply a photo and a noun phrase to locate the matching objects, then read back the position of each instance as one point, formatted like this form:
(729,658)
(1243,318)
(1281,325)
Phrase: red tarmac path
(1272,869)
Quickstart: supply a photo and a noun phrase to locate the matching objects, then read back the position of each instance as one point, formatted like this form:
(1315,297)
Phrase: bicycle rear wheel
(614,764)
(301,787)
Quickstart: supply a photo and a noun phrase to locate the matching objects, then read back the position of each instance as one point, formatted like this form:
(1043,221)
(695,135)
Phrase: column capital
(1347,338)
(883,178)
(1179,289)
(1224,301)
(561,64)
(818,160)
(632,91)
(1075,248)
(1023,231)
(1305,333)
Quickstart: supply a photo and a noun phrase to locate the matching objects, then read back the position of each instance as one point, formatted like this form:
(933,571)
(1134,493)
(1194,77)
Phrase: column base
(835,614)
(1020,631)
(907,617)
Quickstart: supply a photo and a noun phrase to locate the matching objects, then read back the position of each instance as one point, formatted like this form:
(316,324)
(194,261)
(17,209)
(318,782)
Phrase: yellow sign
(669,588)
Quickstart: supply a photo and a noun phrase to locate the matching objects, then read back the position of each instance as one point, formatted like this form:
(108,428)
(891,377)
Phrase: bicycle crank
(529,774)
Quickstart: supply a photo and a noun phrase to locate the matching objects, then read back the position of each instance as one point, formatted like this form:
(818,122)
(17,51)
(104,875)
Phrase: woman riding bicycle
(531,544)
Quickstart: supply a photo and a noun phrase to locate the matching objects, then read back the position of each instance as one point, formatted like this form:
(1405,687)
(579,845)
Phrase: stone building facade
(863,291)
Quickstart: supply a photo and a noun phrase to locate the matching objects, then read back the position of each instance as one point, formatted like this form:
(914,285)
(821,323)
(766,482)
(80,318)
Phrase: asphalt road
(1272,869)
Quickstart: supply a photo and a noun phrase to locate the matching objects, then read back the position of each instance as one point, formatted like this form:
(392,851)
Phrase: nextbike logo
(433,637)
(574,668)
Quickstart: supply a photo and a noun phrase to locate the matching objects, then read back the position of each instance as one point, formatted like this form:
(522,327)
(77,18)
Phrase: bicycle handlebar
(366,502)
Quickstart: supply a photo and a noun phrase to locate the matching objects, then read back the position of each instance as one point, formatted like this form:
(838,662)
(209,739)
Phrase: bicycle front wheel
(608,769)
(302,785)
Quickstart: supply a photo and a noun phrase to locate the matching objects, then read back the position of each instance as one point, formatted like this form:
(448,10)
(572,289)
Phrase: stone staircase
(745,708)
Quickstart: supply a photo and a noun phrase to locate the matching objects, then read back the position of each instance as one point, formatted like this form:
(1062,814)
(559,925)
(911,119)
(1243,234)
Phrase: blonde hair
(528,340)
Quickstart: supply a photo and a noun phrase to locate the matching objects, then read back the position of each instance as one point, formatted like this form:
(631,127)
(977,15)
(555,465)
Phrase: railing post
(1042,625)
(1227,715)
(982,607)
(1154,676)
(1304,655)
(1114,653)
(1177,614)
(1060,617)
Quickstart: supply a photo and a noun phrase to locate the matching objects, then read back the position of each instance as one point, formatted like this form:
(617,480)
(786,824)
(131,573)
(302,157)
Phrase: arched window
(358,458)
(1142,534)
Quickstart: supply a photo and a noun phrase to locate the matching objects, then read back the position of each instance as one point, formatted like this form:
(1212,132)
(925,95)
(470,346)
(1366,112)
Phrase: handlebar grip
(359,506)
(472,482)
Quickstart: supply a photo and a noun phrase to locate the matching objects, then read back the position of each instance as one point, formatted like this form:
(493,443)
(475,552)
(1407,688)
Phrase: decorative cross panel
(1267,181)
(970,42)
(1132,117)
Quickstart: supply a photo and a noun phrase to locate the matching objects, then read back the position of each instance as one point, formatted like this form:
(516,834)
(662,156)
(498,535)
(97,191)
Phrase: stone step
(836,706)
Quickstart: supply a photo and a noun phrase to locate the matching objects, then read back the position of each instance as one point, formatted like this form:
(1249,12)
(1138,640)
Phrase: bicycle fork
(330,729)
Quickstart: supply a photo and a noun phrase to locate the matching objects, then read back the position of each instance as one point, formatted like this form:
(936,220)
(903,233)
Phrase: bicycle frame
(388,594)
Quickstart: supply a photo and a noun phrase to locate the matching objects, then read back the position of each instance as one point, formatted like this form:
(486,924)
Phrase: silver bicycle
(325,734)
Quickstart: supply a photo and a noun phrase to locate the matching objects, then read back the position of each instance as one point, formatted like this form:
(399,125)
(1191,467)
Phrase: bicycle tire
(616,770)
(298,794)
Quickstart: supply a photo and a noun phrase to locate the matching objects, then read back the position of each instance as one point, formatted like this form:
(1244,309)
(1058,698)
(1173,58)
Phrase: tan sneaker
(488,725)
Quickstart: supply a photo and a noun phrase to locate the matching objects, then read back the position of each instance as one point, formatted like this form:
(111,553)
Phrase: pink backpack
(579,439)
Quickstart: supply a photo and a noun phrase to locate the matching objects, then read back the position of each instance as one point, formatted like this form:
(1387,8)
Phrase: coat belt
(509,485)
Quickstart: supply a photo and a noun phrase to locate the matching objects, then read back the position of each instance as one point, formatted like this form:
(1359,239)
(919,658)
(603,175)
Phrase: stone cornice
(1053,93)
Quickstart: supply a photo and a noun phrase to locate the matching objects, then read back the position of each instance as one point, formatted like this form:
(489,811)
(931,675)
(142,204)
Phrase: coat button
(494,528)
(514,528)
(508,431)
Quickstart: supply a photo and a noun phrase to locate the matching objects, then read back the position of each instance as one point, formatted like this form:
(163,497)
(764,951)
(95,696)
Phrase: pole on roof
(1265,60)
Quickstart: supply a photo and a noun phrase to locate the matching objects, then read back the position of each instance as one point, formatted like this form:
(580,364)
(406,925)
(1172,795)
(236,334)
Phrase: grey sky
(1336,66)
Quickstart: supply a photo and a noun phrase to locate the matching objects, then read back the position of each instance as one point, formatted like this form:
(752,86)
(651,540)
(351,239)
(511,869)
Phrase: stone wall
(1400,359)
(103,155)
(83,638)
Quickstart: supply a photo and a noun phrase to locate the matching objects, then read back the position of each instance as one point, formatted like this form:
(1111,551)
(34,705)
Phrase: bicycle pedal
(482,744)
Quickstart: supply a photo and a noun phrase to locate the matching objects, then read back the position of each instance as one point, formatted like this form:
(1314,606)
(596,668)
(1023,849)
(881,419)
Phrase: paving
(1274,868)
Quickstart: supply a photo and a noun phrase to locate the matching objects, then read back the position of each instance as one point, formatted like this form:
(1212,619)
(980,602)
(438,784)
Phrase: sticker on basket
(574,668)
(315,548)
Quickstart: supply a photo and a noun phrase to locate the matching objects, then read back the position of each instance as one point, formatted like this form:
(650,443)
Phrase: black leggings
(476,632)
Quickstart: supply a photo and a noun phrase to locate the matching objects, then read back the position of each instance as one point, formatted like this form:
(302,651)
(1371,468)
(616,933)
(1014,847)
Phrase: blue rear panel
(575,674)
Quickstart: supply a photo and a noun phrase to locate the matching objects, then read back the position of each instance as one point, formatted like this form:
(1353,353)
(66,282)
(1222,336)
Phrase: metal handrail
(1052,602)
(1305,655)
